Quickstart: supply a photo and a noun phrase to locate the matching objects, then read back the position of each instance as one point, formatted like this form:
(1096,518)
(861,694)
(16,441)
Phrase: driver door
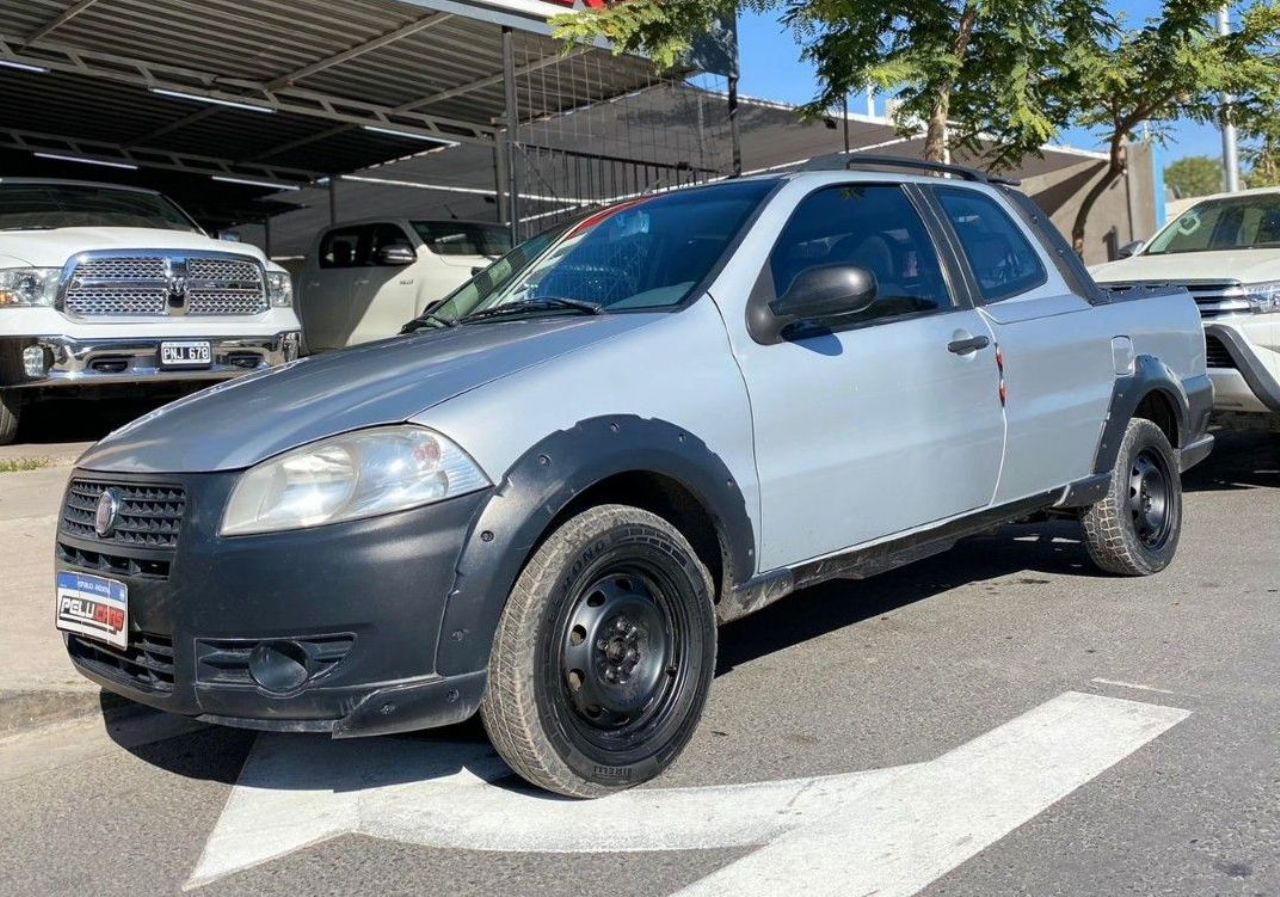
(887,424)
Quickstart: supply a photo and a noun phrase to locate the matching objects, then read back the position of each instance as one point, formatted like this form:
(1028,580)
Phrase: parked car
(670,413)
(1226,251)
(363,280)
(104,286)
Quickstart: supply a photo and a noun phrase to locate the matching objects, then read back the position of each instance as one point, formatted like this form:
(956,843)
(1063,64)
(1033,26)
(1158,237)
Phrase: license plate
(94,606)
(188,354)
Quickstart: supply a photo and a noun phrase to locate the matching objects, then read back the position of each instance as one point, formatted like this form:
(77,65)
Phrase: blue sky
(772,70)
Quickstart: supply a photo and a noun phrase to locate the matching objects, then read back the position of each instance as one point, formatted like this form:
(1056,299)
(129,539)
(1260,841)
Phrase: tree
(1174,66)
(970,70)
(1194,176)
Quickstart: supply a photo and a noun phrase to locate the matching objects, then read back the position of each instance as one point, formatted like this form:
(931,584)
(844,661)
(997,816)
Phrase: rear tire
(10,413)
(604,655)
(1134,531)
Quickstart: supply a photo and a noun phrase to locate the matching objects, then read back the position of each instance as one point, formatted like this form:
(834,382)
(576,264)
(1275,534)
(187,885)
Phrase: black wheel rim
(1151,498)
(620,655)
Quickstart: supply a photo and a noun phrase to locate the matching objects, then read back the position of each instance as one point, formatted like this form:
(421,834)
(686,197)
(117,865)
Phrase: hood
(1244,265)
(241,422)
(52,248)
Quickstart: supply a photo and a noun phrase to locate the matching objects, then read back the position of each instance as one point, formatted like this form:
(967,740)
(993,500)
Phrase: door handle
(968,345)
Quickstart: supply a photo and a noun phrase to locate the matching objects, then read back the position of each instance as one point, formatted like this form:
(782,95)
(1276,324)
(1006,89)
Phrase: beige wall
(1060,192)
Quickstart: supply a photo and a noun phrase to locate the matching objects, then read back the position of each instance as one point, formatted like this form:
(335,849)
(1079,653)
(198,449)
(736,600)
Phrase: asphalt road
(847,677)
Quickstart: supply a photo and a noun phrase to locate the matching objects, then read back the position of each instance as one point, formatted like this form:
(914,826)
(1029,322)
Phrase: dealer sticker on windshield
(94,606)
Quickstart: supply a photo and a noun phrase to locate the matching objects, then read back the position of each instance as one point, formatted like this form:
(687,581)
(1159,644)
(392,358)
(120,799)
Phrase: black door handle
(965,346)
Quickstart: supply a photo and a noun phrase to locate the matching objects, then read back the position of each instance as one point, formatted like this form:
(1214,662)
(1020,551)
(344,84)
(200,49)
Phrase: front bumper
(1242,382)
(73,362)
(360,604)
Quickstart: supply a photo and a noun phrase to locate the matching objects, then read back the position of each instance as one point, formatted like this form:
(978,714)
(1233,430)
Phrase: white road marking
(923,824)
(1138,687)
(917,821)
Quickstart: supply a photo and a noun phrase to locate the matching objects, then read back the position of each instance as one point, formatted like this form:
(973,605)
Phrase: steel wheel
(619,655)
(1149,498)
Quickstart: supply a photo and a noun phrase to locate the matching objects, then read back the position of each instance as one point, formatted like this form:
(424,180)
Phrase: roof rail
(855,159)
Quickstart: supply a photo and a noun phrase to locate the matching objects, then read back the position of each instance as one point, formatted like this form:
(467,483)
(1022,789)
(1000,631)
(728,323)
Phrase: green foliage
(997,68)
(1194,176)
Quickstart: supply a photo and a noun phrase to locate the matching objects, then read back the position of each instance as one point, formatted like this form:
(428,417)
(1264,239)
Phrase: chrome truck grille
(160,284)
(1214,297)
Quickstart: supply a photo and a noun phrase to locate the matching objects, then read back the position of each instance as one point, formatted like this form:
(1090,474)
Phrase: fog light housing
(35,362)
(279,667)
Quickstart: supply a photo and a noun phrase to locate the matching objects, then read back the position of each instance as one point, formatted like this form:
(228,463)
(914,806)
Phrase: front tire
(1134,531)
(604,655)
(10,414)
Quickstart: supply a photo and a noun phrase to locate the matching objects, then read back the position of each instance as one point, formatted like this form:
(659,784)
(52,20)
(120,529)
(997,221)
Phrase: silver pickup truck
(539,501)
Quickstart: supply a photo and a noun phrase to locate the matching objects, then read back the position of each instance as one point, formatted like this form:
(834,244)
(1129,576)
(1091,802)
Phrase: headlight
(1263,297)
(279,289)
(28,287)
(347,477)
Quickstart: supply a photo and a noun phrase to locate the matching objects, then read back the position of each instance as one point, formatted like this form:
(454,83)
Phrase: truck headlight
(279,289)
(359,474)
(28,287)
(1263,297)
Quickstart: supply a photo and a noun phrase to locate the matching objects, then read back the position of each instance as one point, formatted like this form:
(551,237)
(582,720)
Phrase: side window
(383,235)
(341,248)
(872,226)
(999,253)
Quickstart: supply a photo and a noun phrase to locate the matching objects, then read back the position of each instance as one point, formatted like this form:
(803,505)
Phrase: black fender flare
(542,482)
(1191,402)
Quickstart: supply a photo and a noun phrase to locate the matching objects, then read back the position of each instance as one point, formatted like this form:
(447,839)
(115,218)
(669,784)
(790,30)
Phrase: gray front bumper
(71,362)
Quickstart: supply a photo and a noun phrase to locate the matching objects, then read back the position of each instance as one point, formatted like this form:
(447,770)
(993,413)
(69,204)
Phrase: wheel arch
(650,463)
(1153,392)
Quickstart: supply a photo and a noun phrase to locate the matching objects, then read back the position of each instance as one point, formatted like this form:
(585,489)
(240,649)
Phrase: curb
(24,710)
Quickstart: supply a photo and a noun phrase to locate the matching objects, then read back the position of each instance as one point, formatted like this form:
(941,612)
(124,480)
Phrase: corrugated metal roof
(327,66)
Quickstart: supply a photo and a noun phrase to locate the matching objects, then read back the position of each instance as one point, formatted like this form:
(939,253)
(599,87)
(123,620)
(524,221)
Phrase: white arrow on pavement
(891,831)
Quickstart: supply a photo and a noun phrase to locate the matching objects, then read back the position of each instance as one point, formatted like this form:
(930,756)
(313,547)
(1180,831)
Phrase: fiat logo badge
(108,510)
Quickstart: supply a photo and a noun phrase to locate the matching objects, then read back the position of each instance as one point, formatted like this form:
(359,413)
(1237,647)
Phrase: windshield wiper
(543,303)
(429,318)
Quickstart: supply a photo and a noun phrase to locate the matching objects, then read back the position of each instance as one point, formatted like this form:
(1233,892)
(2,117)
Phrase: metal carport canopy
(283,90)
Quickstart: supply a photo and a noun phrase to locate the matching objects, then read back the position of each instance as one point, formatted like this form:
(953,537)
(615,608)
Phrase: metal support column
(734,137)
(513,124)
(500,180)
(333,199)
(266,236)
(844,109)
(1230,151)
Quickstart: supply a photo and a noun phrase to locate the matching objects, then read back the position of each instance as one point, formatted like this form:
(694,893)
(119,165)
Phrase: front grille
(1214,298)
(147,663)
(150,516)
(1216,354)
(160,284)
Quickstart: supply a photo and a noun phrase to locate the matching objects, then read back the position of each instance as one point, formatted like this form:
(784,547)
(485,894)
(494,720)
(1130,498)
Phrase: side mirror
(397,254)
(823,294)
(1129,250)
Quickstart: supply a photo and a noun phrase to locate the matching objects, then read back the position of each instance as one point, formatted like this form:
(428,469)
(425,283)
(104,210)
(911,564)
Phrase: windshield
(1237,222)
(645,254)
(45,206)
(464,237)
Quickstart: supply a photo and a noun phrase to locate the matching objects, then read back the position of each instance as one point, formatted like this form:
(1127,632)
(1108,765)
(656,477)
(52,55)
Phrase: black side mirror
(1129,250)
(820,295)
(397,254)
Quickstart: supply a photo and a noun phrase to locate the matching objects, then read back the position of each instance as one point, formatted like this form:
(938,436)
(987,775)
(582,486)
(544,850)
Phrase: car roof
(66,182)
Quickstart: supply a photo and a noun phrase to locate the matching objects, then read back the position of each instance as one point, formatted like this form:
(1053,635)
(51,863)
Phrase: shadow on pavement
(1239,461)
(80,420)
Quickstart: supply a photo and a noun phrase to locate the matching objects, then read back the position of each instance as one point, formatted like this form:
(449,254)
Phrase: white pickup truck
(106,287)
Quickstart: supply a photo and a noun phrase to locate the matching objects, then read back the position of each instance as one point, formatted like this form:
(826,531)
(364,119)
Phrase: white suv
(105,286)
(1226,250)
(364,280)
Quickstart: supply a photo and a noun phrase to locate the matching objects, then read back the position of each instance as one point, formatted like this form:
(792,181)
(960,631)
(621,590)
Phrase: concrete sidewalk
(37,681)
